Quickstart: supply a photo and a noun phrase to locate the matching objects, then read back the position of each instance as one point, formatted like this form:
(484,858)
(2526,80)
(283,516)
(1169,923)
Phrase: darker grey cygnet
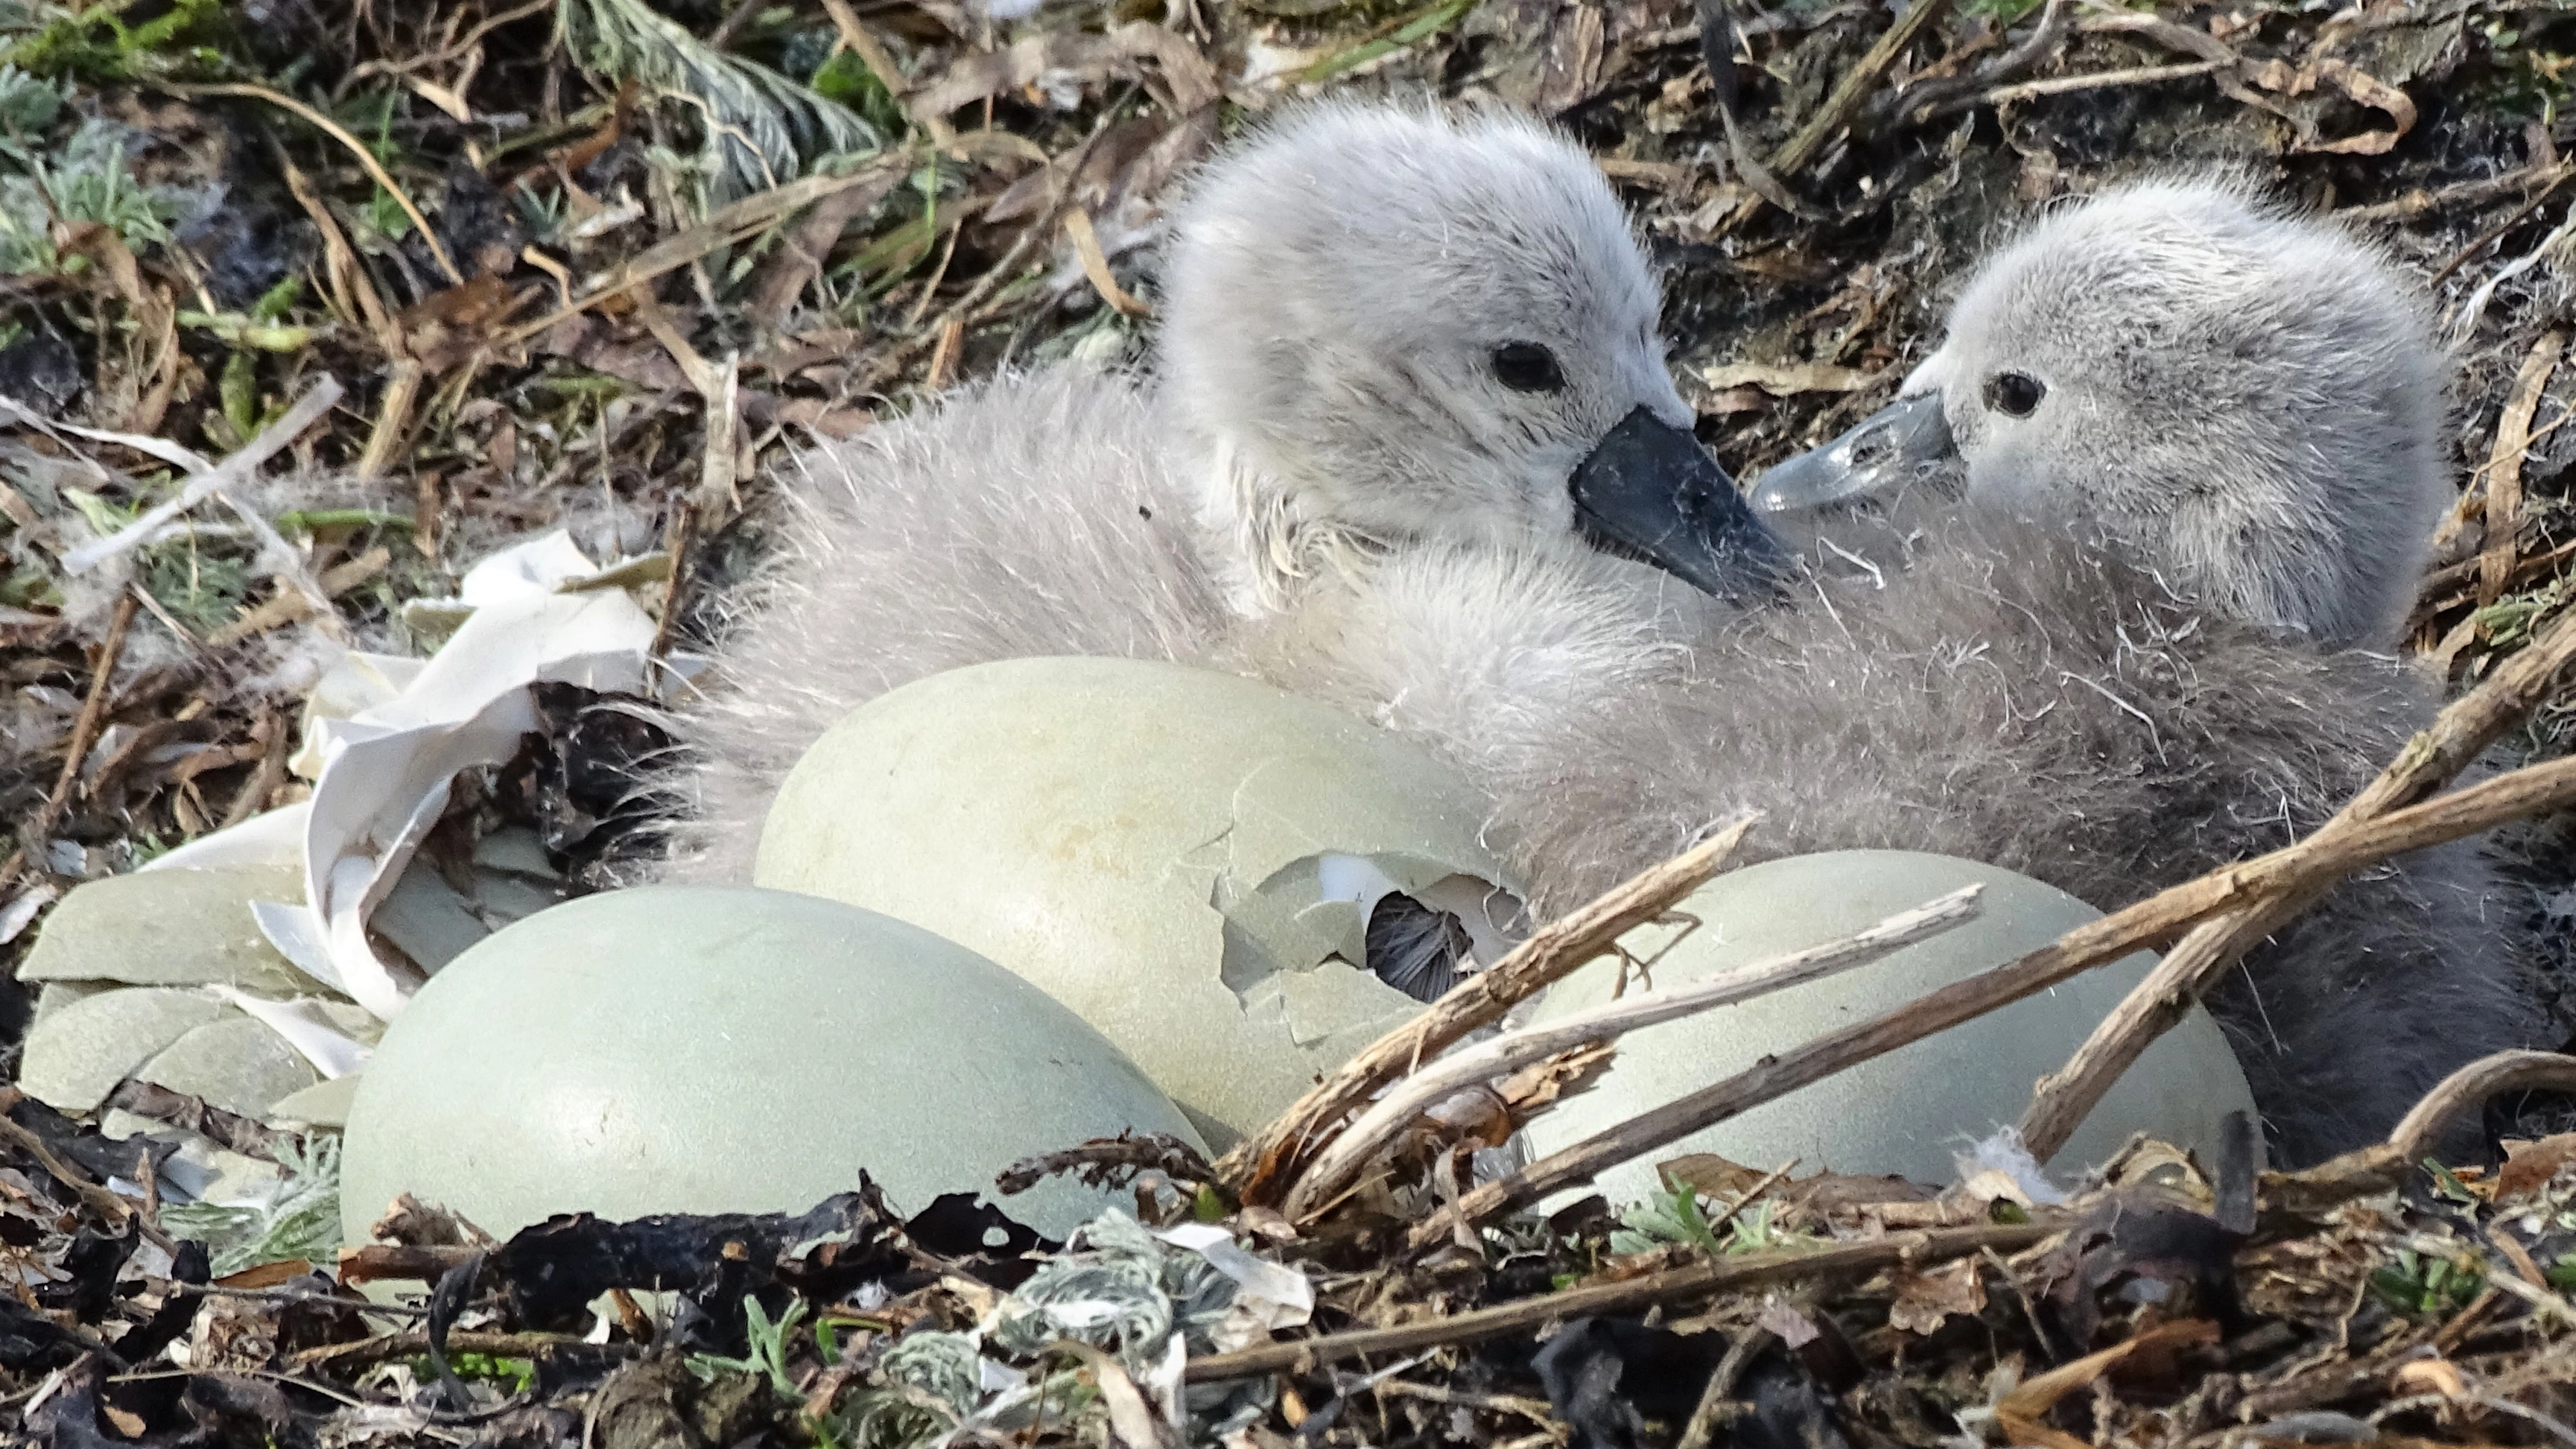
(2248,401)
(2174,468)
(2112,655)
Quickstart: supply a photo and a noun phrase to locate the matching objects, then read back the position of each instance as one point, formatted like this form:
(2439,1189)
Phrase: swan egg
(1199,865)
(676,1049)
(1908,1112)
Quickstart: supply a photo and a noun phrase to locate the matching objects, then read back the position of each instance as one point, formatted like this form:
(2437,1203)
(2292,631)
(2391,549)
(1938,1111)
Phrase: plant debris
(430,281)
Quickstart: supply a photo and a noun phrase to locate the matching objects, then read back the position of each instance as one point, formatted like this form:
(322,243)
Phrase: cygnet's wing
(1032,515)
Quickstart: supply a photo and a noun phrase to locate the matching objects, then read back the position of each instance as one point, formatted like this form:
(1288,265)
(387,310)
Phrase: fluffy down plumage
(2035,694)
(2019,695)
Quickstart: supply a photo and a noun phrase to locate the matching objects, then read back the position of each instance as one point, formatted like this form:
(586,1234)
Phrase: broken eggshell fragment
(1913,1110)
(1193,862)
(678,1049)
(162,976)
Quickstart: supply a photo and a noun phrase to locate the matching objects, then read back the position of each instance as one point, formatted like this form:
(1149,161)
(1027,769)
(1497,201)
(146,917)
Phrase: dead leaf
(2358,85)
(830,420)
(1095,265)
(1534,1088)
(2022,1409)
(1069,56)
(2529,1166)
(1711,1176)
(1793,1328)
(1787,380)
(2431,1376)
(2368,90)
(1925,1301)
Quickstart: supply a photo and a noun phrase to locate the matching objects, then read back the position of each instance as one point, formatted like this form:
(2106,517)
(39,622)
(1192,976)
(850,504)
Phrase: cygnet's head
(1391,326)
(2249,400)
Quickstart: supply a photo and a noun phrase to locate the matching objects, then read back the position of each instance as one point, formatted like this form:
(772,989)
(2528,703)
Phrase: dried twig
(271,441)
(2323,857)
(1855,86)
(2383,1165)
(1261,1165)
(1340,1163)
(1947,95)
(93,1195)
(2059,85)
(357,148)
(2495,233)
(2457,736)
(2504,464)
(736,222)
(85,726)
(1844,101)
(1747,1270)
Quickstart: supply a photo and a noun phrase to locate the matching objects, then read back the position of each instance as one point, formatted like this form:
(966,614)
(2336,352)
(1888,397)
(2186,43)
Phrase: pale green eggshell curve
(1139,840)
(688,1049)
(1907,1112)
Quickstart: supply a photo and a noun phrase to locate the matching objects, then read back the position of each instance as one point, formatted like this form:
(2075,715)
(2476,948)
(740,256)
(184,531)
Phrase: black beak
(1881,455)
(1649,491)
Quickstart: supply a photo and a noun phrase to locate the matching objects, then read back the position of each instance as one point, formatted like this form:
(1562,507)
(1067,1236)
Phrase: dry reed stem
(85,727)
(737,222)
(1260,1167)
(2504,465)
(2325,856)
(1740,1271)
(2383,1165)
(1348,1155)
(2457,736)
(357,148)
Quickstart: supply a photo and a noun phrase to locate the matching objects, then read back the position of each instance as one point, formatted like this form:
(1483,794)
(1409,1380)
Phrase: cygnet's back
(1032,516)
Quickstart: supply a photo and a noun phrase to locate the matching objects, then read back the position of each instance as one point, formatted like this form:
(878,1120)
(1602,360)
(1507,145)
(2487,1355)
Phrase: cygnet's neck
(1263,542)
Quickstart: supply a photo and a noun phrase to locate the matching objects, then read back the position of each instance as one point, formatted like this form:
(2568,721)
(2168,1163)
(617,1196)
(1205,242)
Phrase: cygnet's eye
(2014,394)
(1527,367)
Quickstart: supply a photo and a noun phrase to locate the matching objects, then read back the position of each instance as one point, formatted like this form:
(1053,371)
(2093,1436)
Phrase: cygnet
(2140,525)
(1388,330)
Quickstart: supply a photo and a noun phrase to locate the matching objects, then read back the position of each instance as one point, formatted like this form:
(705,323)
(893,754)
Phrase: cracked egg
(1908,1112)
(703,1050)
(1238,887)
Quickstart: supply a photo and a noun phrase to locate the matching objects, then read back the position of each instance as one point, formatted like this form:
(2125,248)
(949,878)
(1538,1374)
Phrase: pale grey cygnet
(1386,331)
(2249,401)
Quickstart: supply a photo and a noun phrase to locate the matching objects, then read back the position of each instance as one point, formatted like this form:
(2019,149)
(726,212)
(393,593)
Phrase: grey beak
(1878,458)
(1649,491)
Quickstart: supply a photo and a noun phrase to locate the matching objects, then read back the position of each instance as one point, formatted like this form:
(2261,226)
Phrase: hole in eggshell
(1416,949)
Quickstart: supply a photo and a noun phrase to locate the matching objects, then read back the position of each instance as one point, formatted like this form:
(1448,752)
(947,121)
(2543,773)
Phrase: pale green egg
(679,1049)
(1910,1111)
(1185,858)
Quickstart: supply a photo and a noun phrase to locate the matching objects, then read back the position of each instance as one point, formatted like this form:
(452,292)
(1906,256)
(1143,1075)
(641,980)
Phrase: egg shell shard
(233,1063)
(676,1049)
(169,928)
(1144,843)
(79,1052)
(1908,1112)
